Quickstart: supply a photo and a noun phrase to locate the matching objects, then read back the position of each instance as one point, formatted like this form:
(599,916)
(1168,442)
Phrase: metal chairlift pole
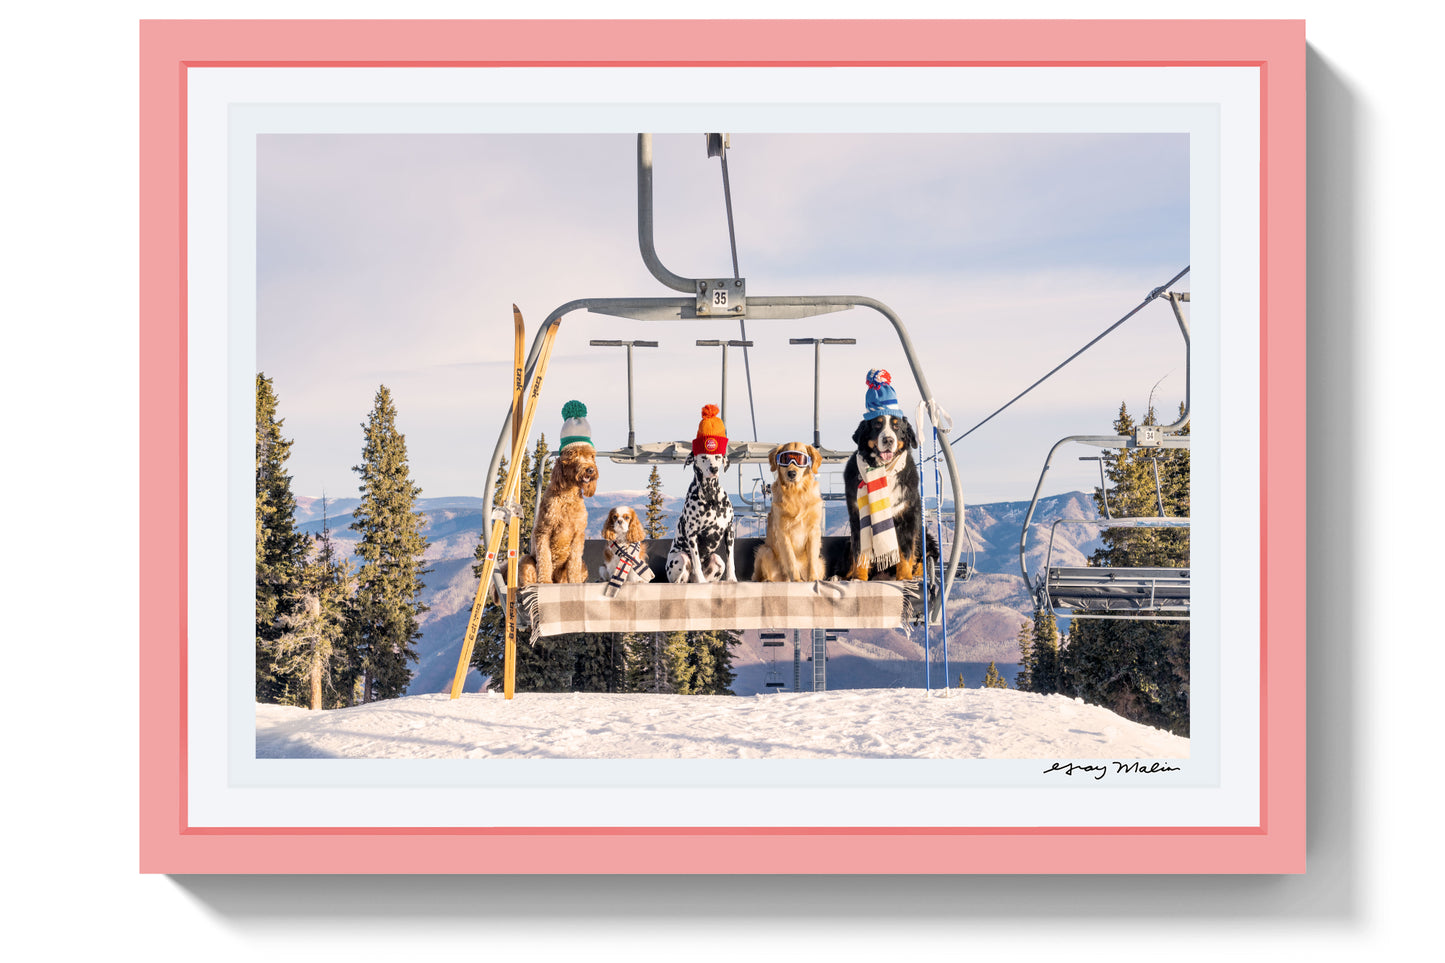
(938,530)
(734,343)
(927,637)
(629,345)
(1102,486)
(1175,298)
(797,662)
(817,344)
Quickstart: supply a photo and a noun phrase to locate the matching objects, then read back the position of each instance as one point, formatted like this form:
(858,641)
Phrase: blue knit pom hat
(881,399)
(575,429)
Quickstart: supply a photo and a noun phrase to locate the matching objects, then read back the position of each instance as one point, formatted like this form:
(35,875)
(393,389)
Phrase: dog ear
(688,462)
(910,437)
(860,434)
(773,457)
(635,533)
(813,454)
(609,526)
(560,475)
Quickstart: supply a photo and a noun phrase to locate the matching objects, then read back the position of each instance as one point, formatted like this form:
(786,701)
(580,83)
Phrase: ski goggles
(793,456)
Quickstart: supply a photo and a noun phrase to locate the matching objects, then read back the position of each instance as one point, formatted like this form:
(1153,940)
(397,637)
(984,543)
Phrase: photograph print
(723,446)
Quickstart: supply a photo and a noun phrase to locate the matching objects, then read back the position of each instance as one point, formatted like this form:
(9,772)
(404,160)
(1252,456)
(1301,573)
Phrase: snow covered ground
(851,723)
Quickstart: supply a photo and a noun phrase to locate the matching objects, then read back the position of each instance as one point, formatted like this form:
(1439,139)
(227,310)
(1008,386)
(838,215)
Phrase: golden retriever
(560,528)
(792,550)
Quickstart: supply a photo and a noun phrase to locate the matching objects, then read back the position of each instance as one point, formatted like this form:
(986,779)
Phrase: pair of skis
(522,418)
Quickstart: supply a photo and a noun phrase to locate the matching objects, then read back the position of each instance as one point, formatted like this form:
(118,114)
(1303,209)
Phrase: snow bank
(852,723)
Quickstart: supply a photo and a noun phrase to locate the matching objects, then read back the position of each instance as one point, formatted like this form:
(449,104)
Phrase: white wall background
(69,264)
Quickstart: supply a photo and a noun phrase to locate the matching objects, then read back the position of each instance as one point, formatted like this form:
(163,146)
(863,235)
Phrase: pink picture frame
(171,51)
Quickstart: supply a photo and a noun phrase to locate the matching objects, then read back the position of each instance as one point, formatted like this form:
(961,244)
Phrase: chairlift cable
(1157,292)
(742,324)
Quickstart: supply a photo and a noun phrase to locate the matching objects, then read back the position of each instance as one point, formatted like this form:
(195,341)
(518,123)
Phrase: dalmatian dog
(703,548)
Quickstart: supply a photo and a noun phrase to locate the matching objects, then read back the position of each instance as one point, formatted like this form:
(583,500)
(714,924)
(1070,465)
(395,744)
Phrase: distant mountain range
(984,612)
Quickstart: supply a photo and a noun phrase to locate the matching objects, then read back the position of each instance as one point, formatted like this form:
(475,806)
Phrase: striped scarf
(629,564)
(877,497)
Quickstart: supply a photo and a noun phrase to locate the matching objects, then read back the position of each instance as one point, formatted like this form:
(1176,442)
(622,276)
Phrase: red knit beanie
(712,437)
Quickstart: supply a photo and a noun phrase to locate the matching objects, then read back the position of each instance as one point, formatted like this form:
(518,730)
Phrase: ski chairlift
(659,605)
(1108,592)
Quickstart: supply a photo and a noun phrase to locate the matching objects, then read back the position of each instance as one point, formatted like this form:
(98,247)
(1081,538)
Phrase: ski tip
(516,310)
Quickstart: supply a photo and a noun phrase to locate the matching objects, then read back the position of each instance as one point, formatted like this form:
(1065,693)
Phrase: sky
(396,259)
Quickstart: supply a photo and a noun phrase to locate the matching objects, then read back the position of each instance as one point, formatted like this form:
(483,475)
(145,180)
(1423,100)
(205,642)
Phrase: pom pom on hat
(880,398)
(575,429)
(712,436)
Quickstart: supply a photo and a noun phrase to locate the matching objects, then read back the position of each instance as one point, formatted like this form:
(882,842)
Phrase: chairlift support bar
(631,432)
(817,344)
(1175,298)
(725,344)
(1102,486)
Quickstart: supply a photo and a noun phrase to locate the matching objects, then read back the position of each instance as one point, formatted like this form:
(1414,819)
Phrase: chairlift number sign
(718,296)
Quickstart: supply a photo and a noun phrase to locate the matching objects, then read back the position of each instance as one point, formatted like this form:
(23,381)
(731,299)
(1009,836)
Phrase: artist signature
(1099,770)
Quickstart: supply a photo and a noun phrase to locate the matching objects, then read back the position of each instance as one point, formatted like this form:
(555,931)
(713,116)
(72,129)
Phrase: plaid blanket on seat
(688,606)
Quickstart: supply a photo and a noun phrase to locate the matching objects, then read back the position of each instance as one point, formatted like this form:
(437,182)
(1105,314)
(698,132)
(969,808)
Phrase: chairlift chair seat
(1088,590)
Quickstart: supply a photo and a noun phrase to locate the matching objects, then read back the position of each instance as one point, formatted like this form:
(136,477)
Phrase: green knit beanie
(575,428)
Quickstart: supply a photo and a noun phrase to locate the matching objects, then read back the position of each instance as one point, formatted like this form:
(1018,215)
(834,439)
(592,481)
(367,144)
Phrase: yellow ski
(509,672)
(509,492)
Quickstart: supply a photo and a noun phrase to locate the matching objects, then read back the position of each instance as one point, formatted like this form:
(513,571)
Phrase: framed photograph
(722,447)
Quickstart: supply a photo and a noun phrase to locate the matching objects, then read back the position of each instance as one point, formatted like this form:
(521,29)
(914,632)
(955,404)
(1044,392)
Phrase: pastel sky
(395,259)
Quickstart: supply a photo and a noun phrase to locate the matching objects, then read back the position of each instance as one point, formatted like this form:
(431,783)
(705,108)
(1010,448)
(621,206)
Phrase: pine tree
(991,679)
(540,474)
(1174,486)
(655,522)
(312,647)
(1044,673)
(646,663)
(677,657)
(338,600)
(709,662)
(391,550)
(280,547)
(599,663)
(1023,679)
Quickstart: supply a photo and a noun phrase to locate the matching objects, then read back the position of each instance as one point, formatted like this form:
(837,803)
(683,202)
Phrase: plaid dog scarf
(627,563)
(877,537)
